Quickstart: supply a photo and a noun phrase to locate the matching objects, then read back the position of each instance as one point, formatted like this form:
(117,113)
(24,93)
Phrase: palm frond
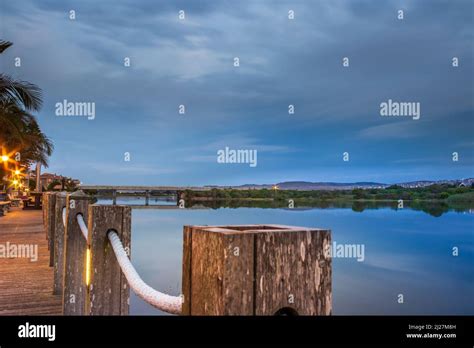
(27,94)
(4,45)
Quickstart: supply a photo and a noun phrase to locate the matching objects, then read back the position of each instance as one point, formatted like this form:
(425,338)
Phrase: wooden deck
(26,287)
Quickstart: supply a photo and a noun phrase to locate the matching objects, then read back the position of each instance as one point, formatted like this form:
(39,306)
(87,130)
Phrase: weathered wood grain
(292,272)
(59,238)
(75,246)
(186,271)
(50,213)
(45,200)
(238,269)
(206,274)
(256,270)
(109,292)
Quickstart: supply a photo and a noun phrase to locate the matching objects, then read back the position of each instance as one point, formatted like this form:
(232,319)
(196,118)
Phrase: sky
(283,61)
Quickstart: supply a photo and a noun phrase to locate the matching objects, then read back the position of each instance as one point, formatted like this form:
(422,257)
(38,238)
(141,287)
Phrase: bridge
(99,188)
(145,191)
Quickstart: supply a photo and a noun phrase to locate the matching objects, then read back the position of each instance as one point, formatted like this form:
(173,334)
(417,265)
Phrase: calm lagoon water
(406,252)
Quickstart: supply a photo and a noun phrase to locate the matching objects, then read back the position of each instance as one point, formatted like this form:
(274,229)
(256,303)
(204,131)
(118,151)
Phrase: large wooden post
(109,292)
(45,215)
(48,222)
(75,250)
(59,234)
(49,205)
(256,270)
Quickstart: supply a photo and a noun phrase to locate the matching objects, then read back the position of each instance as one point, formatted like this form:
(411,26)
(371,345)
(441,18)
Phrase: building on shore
(46,179)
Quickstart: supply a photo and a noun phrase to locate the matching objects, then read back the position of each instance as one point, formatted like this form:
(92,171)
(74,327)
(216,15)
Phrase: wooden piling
(51,210)
(59,238)
(44,215)
(75,248)
(256,270)
(49,206)
(109,292)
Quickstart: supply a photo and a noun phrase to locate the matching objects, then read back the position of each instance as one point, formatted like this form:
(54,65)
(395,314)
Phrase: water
(407,252)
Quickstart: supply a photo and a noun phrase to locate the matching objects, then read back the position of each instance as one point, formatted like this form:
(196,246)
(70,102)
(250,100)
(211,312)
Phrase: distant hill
(307,185)
(304,185)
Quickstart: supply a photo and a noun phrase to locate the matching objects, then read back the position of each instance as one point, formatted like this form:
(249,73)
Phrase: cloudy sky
(282,62)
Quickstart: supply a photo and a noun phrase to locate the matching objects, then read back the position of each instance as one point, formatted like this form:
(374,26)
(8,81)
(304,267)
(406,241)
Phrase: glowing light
(88,266)
(15,182)
(5,158)
(17,172)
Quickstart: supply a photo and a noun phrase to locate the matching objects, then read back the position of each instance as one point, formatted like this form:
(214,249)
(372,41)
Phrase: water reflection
(433,208)
(407,251)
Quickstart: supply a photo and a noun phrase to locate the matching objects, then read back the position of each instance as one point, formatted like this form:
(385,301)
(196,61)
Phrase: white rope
(166,303)
(82,225)
(64,216)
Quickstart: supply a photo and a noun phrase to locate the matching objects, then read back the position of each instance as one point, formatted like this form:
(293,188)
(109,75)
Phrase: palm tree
(39,146)
(19,128)
(13,120)
(24,94)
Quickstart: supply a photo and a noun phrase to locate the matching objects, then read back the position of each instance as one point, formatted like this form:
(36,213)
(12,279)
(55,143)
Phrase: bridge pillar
(179,196)
(147,197)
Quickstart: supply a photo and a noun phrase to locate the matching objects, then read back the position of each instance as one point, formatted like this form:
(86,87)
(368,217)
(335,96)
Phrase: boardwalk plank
(26,287)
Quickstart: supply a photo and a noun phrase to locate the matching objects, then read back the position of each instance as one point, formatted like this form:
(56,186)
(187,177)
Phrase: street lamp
(275,189)
(4,159)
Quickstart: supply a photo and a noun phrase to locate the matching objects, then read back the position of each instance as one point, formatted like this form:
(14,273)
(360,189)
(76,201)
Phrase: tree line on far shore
(435,192)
